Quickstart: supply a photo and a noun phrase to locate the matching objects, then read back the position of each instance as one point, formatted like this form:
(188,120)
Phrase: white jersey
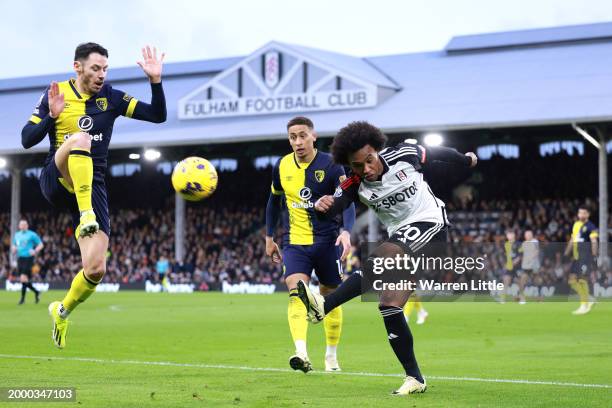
(531,255)
(401,196)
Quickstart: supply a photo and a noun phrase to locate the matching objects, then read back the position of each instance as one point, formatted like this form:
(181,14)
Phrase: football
(194,178)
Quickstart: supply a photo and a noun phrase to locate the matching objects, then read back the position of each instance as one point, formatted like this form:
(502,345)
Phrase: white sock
(62,312)
(331,351)
(300,347)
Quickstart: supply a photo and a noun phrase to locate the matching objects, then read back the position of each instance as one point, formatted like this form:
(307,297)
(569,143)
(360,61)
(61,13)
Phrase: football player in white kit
(389,181)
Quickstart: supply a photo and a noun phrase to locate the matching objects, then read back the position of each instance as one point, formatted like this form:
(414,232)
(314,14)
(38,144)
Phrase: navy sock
(400,339)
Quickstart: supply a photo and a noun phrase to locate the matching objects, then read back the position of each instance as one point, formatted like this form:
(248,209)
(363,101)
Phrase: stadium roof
(522,78)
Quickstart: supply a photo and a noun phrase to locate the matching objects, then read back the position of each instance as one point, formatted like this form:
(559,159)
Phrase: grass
(117,337)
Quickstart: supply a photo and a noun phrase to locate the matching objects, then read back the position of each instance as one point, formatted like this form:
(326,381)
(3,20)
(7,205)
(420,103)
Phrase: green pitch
(211,350)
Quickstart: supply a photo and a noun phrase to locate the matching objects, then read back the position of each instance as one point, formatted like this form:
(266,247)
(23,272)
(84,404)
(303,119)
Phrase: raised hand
(56,100)
(151,66)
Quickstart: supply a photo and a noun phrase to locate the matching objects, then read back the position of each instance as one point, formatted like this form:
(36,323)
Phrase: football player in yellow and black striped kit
(309,242)
(582,247)
(512,259)
(78,115)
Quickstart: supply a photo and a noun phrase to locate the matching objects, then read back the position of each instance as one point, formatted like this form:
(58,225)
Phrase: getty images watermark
(493,271)
(410,265)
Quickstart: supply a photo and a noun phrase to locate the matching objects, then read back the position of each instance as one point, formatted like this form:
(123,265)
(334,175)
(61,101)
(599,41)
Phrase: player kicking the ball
(413,222)
(78,115)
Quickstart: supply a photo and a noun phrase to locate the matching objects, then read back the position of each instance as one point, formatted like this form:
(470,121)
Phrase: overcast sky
(39,37)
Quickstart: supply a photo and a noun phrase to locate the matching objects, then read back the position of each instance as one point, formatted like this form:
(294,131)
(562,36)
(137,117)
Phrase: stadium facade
(523,78)
(542,77)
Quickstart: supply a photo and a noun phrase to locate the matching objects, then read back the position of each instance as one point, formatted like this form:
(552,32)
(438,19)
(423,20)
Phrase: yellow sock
(333,326)
(298,325)
(576,286)
(413,303)
(584,291)
(408,307)
(80,167)
(418,305)
(80,289)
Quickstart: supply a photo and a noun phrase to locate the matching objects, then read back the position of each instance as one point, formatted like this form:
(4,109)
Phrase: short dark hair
(300,120)
(353,137)
(584,207)
(83,50)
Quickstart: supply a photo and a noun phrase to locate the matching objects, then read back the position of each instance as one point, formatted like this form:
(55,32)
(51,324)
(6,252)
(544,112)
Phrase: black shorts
(414,238)
(62,199)
(24,265)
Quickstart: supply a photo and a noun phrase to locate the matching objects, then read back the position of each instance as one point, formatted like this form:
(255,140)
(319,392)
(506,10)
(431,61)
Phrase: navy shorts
(62,199)
(582,267)
(324,258)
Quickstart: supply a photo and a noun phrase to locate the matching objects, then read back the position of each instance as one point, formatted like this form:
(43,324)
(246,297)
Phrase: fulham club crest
(272,68)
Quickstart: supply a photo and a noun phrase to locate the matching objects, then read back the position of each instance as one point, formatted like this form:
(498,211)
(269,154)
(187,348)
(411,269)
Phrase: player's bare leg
(93,253)
(298,325)
(333,330)
(73,160)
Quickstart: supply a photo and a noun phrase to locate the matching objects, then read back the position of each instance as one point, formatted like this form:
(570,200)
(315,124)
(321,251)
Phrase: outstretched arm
(152,67)
(449,155)
(155,111)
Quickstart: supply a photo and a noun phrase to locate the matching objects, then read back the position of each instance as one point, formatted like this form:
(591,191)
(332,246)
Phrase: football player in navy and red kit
(78,115)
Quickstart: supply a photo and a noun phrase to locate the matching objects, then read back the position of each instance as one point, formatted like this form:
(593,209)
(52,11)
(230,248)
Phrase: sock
(414,303)
(576,286)
(400,339)
(349,289)
(298,325)
(583,285)
(23,291)
(80,289)
(80,167)
(31,287)
(333,329)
